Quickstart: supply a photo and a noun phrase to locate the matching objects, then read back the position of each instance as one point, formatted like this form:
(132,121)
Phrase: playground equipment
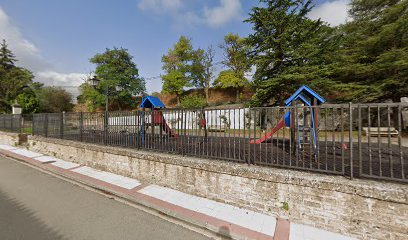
(298,120)
(157,118)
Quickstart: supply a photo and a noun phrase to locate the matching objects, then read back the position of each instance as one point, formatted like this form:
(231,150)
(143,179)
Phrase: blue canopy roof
(301,93)
(151,102)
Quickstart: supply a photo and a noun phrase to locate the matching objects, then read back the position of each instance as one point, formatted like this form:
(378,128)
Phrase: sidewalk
(222,218)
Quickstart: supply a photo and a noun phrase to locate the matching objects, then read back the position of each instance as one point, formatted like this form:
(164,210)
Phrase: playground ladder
(303,136)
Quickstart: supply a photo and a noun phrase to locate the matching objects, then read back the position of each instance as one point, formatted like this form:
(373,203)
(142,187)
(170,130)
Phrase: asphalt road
(35,205)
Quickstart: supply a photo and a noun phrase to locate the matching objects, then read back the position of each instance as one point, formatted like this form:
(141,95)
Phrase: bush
(193,101)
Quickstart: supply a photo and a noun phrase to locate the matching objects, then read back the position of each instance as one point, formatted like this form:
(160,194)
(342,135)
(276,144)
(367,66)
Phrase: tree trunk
(178,100)
(206,94)
(238,99)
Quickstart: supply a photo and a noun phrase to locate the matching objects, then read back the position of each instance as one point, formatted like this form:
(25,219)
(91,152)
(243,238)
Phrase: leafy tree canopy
(228,78)
(202,70)
(372,64)
(177,66)
(7,58)
(236,59)
(119,78)
(13,79)
(286,45)
(54,100)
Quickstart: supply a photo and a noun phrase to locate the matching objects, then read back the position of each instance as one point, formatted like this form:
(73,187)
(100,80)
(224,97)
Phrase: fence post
(351,139)
(33,125)
(105,130)
(11,123)
(81,126)
(62,125)
(46,125)
(21,121)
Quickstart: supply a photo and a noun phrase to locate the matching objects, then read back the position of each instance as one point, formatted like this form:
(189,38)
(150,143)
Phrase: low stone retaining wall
(12,139)
(364,209)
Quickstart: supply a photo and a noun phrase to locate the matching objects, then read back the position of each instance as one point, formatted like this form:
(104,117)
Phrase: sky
(56,39)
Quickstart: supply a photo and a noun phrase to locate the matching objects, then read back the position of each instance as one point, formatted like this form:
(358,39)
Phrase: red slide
(280,125)
(158,119)
(168,130)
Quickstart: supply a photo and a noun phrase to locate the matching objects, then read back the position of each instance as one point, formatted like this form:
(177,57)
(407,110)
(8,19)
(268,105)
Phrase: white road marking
(303,232)
(249,219)
(57,162)
(45,159)
(108,177)
(26,153)
(7,147)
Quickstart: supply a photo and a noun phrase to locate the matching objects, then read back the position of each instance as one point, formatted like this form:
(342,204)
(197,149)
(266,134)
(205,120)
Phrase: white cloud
(226,12)
(26,52)
(333,12)
(29,56)
(61,79)
(160,5)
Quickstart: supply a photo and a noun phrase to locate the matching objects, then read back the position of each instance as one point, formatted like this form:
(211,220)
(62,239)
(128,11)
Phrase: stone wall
(364,209)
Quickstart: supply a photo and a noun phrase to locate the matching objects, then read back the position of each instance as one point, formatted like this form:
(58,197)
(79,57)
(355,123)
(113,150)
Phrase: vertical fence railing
(354,140)
(11,122)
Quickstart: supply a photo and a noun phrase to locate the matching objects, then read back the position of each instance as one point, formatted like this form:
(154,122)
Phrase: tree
(288,49)
(193,101)
(372,64)
(114,68)
(29,99)
(236,58)
(202,70)
(228,78)
(7,58)
(174,82)
(13,79)
(177,67)
(91,97)
(54,100)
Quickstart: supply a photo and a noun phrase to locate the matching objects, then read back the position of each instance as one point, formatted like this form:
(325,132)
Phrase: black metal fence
(10,122)
(359,140)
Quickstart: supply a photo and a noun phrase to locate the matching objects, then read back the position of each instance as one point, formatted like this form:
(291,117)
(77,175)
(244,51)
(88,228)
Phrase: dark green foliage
(114,68)
(91,97)
(193,101)
(13,80)
(236,59)
(372,64)
(178,64)
(29,98)
(54,100)
(186,67)
(289,49)
(7,58)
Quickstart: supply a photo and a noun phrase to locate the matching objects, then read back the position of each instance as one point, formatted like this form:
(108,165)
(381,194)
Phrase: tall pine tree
(372,64)
(13,80)
(7,58)
(289,49)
